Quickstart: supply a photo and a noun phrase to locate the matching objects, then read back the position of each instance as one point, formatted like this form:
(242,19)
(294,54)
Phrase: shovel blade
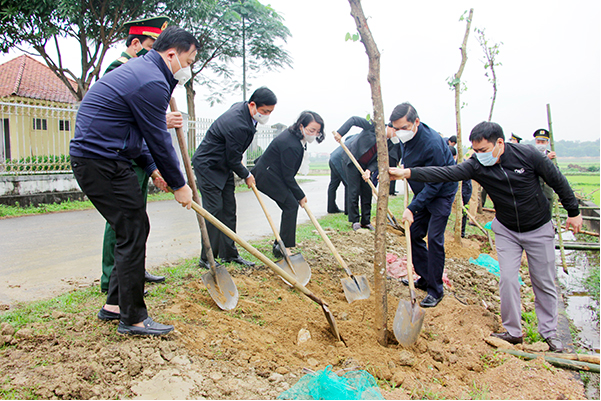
(302,270)
(408,322)
(221,287)
(331,321)
(355,287)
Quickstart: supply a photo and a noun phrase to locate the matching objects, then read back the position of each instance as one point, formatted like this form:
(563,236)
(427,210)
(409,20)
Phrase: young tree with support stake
(373,77)
(459,87)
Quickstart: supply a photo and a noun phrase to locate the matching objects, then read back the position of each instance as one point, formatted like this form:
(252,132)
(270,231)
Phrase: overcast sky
(550,54)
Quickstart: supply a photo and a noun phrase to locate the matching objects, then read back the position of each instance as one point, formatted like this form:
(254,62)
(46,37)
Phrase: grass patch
(530,326)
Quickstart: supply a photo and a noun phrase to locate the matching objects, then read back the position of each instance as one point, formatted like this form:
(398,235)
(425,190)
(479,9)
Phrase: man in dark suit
(337,176)
(365,151)
(218,156)
(430,208)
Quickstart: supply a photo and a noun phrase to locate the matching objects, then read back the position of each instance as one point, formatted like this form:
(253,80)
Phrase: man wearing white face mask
(541,142)
(218,157)
(122,118)
(431,205)
(510,173)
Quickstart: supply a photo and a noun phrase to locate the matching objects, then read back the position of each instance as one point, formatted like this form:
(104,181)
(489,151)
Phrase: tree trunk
(457,85)
(190,93)
(373,77)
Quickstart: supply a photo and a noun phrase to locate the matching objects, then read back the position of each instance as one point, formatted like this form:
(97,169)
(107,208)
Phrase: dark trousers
(335,180)
(466,200)
(288,222)
(108,244)
(112,186)
(429,260)
(358,188)
(222,205)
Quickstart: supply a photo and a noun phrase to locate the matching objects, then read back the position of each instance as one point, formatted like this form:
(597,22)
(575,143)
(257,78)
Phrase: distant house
(37,110)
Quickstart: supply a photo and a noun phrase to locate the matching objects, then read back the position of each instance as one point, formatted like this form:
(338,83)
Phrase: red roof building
(25,77)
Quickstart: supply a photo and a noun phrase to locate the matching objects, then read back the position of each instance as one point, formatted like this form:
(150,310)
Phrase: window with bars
(64,125)
(40,124)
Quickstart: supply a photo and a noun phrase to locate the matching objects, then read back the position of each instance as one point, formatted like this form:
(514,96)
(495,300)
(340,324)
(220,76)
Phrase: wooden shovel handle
(327,240)
(273,228)
(371,184)
(409,252)
(206,242)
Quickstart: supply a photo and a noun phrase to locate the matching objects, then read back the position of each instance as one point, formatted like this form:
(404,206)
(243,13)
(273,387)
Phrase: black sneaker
(151,328)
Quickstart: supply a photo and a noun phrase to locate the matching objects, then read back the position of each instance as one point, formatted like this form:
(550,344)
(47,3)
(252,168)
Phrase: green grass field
(585,185)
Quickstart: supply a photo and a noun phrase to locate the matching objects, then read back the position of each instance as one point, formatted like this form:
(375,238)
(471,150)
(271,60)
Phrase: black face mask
(142,52)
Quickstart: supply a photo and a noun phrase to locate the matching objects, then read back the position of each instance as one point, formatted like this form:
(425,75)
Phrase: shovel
(295,265)
(409,316)
(391,219)
(289,278)
(218,281)
(355,287)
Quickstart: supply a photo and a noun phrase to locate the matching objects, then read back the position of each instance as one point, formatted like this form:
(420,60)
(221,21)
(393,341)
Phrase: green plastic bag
(490,264)
(327,385)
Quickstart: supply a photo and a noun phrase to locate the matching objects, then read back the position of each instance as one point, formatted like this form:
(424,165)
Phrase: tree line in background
(574,148)
(226,29)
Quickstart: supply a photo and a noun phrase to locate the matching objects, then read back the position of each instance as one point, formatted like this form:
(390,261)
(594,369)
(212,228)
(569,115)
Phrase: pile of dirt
(254,351)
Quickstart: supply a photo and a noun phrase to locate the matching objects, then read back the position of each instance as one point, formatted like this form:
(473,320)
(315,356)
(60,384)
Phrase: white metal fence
(35,139)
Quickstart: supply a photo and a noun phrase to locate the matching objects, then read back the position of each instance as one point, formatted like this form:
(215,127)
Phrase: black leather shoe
(508,337)
(151,328)
(334,211)
(416,283)
(108,315)
(430,301)
(555,344)
(277,251)
(204,264)
(149,278)
(239,261)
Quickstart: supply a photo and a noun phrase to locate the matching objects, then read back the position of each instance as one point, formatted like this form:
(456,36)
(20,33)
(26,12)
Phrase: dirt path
(253,352)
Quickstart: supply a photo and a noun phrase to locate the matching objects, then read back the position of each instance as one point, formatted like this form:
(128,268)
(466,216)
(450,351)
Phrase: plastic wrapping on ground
(327,385)
(490,264)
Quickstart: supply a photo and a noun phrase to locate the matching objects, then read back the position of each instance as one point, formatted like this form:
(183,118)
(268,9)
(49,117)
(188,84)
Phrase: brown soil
(253,352)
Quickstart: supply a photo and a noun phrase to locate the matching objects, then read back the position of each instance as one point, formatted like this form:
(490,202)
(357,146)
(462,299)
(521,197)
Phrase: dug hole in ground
(253,351)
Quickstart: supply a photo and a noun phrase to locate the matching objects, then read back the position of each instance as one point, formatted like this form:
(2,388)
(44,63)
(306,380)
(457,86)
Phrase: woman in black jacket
(275,170)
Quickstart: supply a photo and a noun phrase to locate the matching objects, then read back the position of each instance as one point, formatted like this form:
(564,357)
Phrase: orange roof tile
(26,77)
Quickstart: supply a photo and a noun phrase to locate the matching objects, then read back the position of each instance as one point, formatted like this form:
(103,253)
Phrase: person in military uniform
(541,142)
(514,138)
(141,37)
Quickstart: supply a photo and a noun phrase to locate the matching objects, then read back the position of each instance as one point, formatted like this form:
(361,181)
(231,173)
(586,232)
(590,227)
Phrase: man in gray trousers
(510,174)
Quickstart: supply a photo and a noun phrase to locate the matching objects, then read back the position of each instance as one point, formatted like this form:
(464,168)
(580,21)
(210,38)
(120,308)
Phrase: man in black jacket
(510,174)
(365,151)
(218,156)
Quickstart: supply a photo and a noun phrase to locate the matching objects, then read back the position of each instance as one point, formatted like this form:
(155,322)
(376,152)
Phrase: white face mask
(395,140)
(405,135)
(183,75)
(308,138)
(541,148)
(260,118)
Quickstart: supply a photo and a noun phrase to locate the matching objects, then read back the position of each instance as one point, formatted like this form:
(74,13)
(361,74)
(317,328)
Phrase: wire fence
(35,139)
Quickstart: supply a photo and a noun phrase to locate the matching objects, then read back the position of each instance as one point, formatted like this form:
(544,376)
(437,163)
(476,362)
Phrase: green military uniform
(147,27)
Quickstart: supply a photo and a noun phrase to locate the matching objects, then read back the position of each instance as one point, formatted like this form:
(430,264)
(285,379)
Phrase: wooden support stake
(555,361)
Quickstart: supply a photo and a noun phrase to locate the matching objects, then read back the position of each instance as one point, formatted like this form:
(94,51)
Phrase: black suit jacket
(366,139)
(221,150)
(275,169)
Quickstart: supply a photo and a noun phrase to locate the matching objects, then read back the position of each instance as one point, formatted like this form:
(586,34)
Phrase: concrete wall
(36,189)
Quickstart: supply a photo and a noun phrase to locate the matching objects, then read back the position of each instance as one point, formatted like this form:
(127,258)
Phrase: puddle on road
(579,304)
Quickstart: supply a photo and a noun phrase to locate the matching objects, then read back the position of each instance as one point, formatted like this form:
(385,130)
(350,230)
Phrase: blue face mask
(486,158)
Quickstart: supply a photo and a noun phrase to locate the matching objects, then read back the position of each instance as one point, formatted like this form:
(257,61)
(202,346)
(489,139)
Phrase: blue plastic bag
(490,264)
(327,385)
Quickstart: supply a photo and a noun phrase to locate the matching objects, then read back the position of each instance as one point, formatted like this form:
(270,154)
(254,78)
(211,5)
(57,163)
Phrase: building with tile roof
(37,111)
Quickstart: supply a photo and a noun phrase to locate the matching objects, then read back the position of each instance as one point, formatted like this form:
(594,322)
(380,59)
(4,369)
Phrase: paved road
(42,256)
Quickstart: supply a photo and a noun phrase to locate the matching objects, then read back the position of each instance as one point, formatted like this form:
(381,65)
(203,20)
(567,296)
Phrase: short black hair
(263,97)
(174,37)
(306,118)
(131,38)
(453,139)
(488,131)
(402,110)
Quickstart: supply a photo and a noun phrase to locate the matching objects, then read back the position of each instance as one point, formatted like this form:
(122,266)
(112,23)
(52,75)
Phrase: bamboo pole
(555,199)
(582,231)
(555,361)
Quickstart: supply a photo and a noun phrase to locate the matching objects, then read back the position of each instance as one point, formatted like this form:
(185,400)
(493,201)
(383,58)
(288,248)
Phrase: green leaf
(347,37)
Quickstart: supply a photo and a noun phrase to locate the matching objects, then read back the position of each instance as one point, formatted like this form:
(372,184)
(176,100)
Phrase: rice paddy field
(585,183)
